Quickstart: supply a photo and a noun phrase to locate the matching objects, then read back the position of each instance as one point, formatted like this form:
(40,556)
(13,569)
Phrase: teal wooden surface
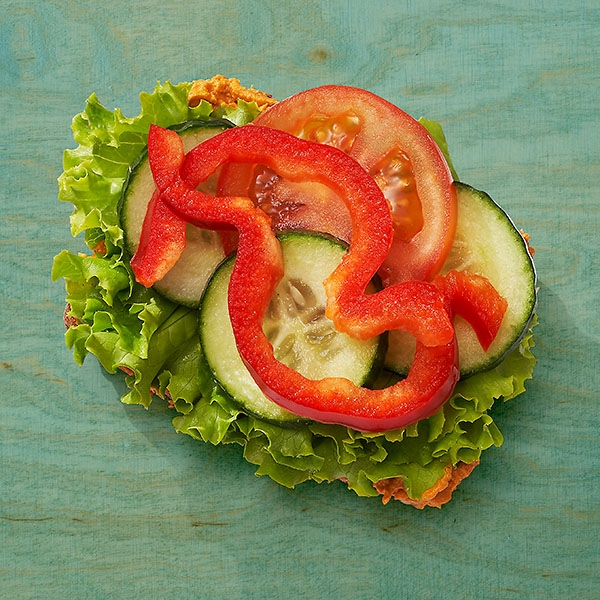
(100,500)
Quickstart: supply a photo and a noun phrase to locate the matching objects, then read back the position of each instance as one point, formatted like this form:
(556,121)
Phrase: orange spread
(435,496)
(221,91)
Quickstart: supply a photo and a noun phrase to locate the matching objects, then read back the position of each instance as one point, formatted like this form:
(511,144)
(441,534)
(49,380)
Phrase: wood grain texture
(99,500)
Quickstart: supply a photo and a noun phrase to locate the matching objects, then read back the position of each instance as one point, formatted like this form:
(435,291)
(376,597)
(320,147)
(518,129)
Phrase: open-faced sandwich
(307,278)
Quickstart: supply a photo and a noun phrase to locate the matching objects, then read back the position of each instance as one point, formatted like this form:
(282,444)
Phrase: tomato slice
(395,149)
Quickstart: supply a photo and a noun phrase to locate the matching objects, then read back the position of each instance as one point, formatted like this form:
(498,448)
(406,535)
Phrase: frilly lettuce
(458,432)
(121,323)
(155,342)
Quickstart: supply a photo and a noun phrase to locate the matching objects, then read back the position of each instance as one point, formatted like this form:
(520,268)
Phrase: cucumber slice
(486,243)
(302,336)
(186,281)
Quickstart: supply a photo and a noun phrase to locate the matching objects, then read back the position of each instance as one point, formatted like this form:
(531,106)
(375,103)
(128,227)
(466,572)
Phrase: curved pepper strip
(476,300)
(156,254)
(415,306)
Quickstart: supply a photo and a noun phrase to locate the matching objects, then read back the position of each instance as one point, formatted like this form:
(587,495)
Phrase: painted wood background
(100,500)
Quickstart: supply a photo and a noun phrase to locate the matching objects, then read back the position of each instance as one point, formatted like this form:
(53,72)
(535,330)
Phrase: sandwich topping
(415,306)
(222,91)
(336,162)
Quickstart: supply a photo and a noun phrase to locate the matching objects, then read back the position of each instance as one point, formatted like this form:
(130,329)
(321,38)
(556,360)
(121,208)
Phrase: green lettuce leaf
(437,133)
(459,432)
(155,342)
(123,324)
(109,143)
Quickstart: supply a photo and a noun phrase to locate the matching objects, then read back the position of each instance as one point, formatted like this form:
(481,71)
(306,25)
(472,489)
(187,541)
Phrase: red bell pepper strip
(163,233)
(416,306)
(353,312)
(476,300)
(163,237)
(161,243)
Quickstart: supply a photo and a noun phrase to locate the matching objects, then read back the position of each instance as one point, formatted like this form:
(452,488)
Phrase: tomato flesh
(338,131)
(394,175)
(389,144)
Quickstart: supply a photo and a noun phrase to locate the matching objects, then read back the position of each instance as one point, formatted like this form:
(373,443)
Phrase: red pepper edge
(258,268)
(476,300)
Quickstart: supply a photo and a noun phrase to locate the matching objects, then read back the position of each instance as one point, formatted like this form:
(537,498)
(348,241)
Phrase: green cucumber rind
(528,310)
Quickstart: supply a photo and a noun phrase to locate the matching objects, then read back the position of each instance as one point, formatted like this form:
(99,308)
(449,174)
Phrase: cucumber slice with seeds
(302,336)
(186,281)
(486,243)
